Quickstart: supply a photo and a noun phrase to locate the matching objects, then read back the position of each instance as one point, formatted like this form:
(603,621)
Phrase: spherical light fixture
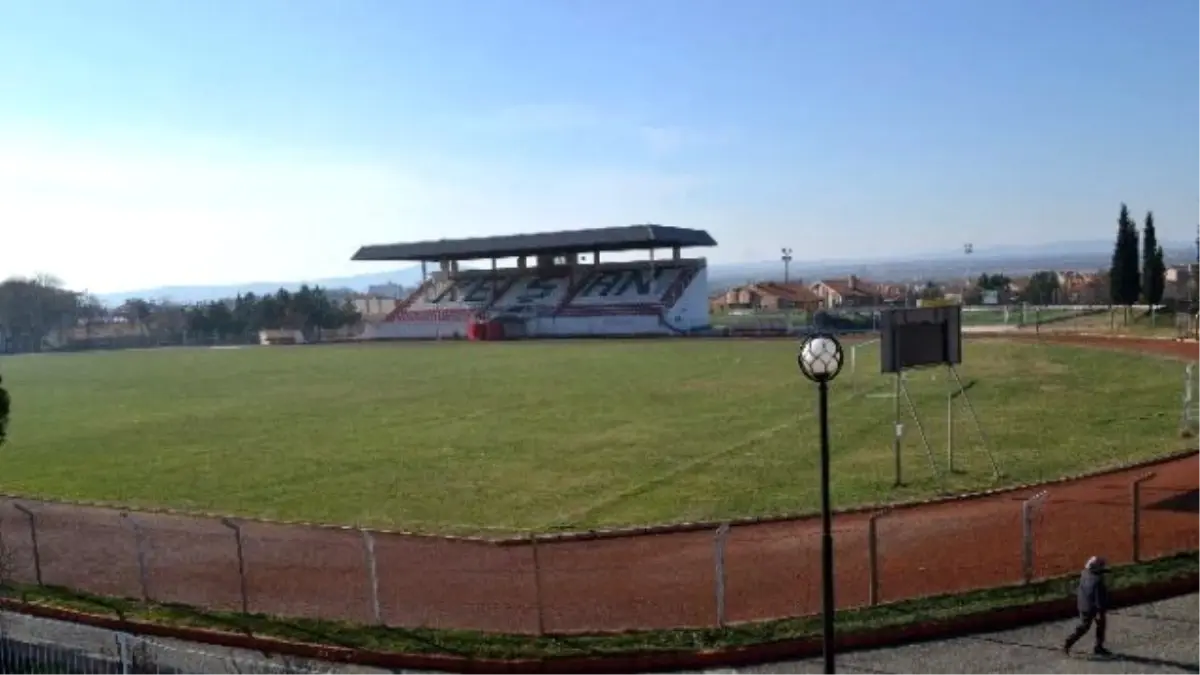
(820,357)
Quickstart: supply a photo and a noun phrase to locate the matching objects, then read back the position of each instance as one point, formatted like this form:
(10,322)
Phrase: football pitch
(508,437)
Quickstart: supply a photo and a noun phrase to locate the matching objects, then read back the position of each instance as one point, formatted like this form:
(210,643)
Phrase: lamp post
(820,360)
(786,257)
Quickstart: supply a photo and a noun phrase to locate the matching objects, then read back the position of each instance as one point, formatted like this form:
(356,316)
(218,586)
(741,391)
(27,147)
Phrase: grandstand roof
(628,238)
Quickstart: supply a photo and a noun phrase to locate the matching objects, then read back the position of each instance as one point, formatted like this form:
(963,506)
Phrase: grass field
(995,316)
(511,436)
(1140,323)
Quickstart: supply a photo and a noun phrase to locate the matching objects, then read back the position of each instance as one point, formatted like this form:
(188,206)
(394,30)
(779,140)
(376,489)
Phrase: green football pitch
(506,437)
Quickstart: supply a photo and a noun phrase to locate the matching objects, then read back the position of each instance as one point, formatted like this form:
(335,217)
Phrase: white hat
(1096,563)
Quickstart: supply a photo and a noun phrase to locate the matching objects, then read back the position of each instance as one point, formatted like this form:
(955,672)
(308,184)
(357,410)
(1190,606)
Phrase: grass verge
(499,646)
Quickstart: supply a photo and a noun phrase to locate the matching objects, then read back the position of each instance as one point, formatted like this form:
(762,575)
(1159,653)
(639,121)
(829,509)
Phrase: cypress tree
(1153,267)
(1149,243)
(1130,272)
(1117,283)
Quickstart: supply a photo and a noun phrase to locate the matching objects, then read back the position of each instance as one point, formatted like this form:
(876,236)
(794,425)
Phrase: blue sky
(175,141)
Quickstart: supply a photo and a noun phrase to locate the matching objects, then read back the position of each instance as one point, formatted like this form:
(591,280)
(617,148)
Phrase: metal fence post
(1027,535)
(124,654)
(719,561)
(854,370)
(1136,527)
(37,554)
(873,557)
(950,432)
(139,542)
(241,559)
(537,584)
(372,575)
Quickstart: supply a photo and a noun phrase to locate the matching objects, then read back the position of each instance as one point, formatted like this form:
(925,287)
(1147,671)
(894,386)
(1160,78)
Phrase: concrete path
(1155,638)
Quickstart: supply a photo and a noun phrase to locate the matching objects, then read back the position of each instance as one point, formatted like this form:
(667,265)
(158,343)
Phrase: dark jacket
(1093,592)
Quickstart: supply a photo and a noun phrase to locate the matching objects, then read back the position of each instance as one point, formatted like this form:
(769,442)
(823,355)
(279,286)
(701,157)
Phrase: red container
(473,331)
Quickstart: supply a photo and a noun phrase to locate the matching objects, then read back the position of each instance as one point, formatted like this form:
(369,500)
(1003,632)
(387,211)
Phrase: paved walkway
(1155,638)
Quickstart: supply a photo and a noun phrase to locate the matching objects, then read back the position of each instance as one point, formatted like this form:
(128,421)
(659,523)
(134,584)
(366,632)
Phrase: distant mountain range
(405,276)
(1011,260)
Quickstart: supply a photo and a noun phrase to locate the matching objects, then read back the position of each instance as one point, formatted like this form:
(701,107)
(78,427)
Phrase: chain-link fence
(624,581)
(1022,315)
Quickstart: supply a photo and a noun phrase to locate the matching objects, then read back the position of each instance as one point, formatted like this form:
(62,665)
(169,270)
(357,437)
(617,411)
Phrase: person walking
(1093,605)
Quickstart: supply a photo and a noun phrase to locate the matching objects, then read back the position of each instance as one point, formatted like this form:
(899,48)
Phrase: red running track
(631,581)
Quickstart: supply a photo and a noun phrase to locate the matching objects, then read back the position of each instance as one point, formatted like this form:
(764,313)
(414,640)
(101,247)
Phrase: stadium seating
(606,299)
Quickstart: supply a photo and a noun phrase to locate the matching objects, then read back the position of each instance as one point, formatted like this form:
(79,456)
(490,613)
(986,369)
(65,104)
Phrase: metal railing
(35,645)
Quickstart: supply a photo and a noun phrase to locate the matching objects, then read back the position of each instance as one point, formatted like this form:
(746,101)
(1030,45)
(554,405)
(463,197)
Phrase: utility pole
(787,262)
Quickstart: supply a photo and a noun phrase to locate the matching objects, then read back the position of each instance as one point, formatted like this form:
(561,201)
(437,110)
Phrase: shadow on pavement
(1114,656)
(1157,663)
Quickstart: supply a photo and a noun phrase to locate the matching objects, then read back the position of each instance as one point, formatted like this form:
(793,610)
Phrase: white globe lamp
(820,357)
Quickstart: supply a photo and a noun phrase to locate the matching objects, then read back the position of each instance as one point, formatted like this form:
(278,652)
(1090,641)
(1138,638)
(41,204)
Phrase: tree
(1124,277)
(992,282)
(5,406)
(32,309)
(932,291)
(1042,288)
(1153,268)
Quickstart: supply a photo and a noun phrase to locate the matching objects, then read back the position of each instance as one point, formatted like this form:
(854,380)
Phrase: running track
(635,581)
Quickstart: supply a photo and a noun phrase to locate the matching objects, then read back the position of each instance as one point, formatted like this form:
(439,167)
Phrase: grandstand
(560,286)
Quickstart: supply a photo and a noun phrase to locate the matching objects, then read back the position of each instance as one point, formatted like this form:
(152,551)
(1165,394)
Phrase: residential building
(850,292)
(767,296)
(1181,281)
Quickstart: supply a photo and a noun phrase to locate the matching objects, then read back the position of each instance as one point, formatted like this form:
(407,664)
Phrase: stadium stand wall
(639,298)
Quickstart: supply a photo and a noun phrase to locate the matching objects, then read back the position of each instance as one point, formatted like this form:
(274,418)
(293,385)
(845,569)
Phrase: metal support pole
(873,556)
(139,542)
(241,560)
(537,584)
(37,554)
(1187,414)
(897,432)
(1136,526)
(719,561)
(912,408)
(950,432)
(827,605)
(372,575)
(123,653)
(854,370)
(1027,536)
(978,427)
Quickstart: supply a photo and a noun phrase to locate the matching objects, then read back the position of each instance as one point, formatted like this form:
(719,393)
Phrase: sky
(225,141)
